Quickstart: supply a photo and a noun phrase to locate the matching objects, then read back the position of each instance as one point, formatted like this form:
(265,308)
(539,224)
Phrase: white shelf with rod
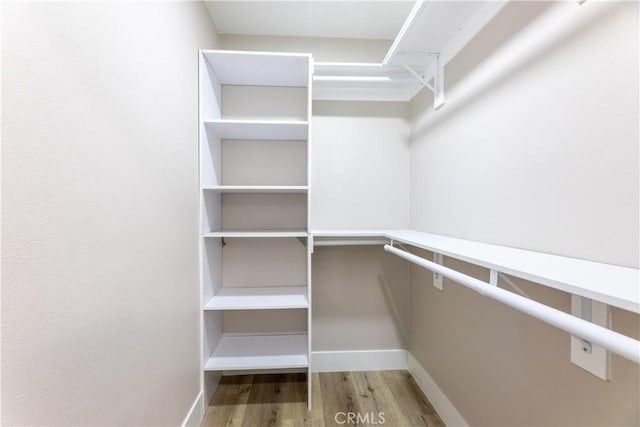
(610,284)
(620,344)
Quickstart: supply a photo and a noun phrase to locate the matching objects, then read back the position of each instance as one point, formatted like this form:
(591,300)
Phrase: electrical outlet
(437,277)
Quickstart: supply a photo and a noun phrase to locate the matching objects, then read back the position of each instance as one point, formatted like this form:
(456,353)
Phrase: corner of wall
(441,403)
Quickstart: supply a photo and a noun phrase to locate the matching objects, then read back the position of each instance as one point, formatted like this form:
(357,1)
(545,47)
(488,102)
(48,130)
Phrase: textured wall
(100,299)
(537,147)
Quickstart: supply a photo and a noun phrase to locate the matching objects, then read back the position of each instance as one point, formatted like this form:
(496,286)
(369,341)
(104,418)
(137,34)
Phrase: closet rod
(623,345)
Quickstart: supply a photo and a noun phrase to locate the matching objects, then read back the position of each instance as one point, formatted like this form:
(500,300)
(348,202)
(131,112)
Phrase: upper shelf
(434,32)
(429,29)
(610,284)
(259,68)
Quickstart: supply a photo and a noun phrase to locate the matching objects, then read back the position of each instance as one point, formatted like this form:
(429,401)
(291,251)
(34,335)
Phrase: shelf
(284,297)
(430,28)
(433,29)
(349,233)
(611,284)
(258,129)
(288,189)
(257,233)
(259,68)
(348,238)
(259,352)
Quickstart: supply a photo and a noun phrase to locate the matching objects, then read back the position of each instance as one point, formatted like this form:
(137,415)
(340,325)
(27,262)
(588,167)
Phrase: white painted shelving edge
(258,188)
(610,284)
(259,129)
(239,298)
(257,233)
(259,352)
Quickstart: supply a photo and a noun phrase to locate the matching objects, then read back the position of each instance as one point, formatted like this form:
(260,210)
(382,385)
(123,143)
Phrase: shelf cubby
(259,352)
(261,298)
(258,129)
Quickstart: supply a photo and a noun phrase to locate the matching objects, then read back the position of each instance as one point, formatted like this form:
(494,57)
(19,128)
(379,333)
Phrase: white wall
(359,165)
(537,148)
(100,299)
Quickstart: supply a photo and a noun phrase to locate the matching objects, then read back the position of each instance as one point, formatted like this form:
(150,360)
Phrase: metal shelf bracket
(438,78)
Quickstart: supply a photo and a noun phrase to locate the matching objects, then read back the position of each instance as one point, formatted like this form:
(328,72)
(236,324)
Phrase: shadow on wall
(396,296)
(352,313)
(512,21)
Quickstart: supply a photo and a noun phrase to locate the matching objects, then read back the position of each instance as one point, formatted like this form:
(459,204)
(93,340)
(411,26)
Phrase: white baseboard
(360,360)
(438,399)
(196,413)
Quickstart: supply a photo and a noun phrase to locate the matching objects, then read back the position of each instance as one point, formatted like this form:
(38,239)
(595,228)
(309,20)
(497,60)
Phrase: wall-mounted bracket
(493,277)
(438,77)
(585,354)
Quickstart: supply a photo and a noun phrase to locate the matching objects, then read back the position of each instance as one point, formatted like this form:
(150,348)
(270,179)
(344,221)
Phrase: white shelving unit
(254,245)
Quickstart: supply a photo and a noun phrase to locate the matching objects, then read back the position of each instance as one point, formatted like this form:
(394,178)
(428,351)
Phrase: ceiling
(365,19)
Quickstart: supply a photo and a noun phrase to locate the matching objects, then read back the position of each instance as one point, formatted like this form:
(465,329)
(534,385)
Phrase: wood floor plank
(431,416)
(264,407)
(281,400)
(377,399)
(338,396)
(295,397)
(229,402)
(409,398)
(317,404)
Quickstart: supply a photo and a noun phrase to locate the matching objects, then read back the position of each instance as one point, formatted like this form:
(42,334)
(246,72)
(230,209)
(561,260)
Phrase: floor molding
(196,413)
(360,360)
(438,399)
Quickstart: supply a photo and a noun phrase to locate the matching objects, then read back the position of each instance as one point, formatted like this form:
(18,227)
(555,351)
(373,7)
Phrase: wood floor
(373,398)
